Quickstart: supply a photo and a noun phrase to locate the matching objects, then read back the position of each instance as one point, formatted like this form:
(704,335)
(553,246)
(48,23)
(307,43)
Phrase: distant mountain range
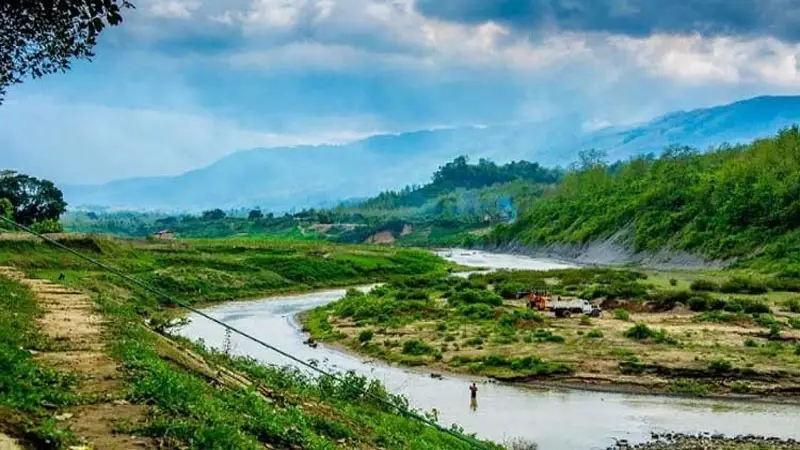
(311,176)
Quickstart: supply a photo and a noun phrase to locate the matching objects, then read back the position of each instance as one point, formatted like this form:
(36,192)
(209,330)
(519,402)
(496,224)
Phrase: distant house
(164,235)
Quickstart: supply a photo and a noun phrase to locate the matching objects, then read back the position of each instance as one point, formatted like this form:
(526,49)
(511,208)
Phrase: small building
(165,235)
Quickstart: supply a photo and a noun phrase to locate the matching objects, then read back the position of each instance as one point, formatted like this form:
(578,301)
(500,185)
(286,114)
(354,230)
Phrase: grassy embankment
(186,409)
(708,333)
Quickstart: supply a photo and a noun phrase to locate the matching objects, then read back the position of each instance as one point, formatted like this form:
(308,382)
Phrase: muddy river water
(555,419)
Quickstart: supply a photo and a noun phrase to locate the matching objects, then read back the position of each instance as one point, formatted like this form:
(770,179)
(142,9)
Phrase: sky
(182,83)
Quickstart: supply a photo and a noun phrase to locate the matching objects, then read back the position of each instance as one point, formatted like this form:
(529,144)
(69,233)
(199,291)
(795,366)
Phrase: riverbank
(179,394)
(671,333)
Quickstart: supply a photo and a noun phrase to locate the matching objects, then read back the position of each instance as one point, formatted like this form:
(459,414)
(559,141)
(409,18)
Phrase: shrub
(416,347)
(743,285)
(784,284)
(621,314)
(755,307)
(365,336)
(509,289)
(473,296)
(631,365)
(765,320)
(734,306)
(704,285)
(441,327)
(698,304)
(476,311)
(720,366)
(774,332)
(793,305)
(543,335)
(585,321)
(640,332)
(673,282)
(716,304)
(750,343)
(794,322)
(594,334)
(476,341)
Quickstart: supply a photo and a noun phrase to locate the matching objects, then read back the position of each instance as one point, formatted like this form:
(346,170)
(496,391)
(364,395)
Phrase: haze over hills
(296,177)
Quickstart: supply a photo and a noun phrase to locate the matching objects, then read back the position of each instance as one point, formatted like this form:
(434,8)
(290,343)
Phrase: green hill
(731,202)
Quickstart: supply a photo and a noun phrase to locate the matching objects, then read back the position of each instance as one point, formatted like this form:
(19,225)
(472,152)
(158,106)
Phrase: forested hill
(459,174)
(741,201)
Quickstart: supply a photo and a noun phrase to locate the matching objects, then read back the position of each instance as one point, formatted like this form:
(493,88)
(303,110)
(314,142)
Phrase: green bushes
(529,365)
(641,332)
(415,347)
(703,285)
(544,335)
(473,296)
(698,303)
(743,285)
(594,334)
(749,342)
(478,311)
(720,366)
(793,305)
(518,318)
(622,314)
(365,336)
(510,289)
(794,322)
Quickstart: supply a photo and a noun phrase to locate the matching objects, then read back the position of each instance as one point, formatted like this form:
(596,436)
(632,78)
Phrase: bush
(793,305)
(476,311)
(416,347)
(716,304)
(794,322)
(476,341)
(365,336)
(743,285)
(698,304)
(733,306)
(585,321)
(640,332)
(666,300)
(621,314)
(774,332)
(473,296)
(509,289)
(755,307)
(720,366)
(594,334)
(702,285)
(750,343)
(784,284)
(673,282)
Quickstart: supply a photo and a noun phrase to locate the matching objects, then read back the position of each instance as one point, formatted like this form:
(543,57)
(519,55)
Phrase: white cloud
(174,9)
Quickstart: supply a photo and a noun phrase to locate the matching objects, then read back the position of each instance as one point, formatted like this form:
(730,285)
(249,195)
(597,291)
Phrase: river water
(555,419)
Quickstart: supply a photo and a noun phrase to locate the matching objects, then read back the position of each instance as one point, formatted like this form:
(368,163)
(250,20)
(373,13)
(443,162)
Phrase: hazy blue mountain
(296,177)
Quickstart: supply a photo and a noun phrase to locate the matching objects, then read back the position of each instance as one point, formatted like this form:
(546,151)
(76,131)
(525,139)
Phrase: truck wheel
(566,314)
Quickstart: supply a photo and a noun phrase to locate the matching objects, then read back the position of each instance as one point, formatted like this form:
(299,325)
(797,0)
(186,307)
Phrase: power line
(164,295)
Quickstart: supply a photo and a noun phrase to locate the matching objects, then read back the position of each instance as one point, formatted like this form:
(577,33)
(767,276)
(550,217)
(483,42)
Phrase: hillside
(280,179)
(733,202)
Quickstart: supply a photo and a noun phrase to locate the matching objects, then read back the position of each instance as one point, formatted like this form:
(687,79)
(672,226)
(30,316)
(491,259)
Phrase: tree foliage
(723,203)
(39,37)
(33,200)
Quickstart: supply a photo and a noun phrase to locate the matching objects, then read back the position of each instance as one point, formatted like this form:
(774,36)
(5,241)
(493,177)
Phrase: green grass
(29,392)
(186,411)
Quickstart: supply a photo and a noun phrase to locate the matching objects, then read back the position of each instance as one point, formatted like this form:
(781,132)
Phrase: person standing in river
(473,397)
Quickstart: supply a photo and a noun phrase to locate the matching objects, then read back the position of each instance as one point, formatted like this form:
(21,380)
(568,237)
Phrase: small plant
(476,341)
(621,314)
(673,282)
(793,305)
(594,334)
(740,387)
(749,342)
(794,322)
(640,332)
(698,304)
(743,285)
(585,321)
(720,366)
(702,285)
(416,347)
(441,327)
(365,336)
(774,332)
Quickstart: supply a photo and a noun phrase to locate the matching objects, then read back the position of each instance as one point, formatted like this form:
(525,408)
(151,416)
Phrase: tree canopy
(33,200)
(39,37)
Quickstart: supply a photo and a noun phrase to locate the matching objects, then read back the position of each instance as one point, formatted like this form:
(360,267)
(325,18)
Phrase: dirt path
(78,332)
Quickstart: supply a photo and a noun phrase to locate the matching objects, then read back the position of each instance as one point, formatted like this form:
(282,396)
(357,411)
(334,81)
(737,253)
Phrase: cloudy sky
(184,82)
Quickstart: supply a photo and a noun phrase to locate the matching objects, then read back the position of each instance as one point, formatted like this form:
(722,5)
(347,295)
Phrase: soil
(7,443)
(384,237)
(78,331)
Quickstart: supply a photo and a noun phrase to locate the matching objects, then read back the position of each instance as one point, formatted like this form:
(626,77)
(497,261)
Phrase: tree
(39,37)
(33,200)
(6,211)
(255,214)
(592,158)
(214,214)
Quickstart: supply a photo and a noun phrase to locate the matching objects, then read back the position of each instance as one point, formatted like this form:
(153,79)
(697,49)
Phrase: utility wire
(159,293)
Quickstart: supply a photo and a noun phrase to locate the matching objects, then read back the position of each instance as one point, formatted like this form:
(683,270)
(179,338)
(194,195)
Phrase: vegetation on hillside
(185,408)
(728,202)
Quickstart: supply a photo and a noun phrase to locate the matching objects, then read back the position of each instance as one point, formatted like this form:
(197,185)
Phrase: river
(555,419)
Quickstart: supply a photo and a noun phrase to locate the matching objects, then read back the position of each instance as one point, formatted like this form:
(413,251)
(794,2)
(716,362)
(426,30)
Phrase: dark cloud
(638,18)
